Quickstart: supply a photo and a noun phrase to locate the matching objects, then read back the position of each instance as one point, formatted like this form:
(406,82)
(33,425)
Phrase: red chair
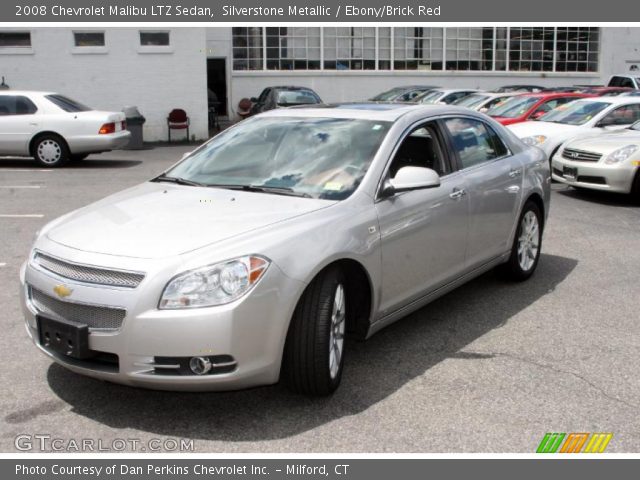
(178,120)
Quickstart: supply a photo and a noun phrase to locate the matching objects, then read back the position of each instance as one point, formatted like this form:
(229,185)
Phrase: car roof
(547,95)
(26,92)
(380,111)
(618,100)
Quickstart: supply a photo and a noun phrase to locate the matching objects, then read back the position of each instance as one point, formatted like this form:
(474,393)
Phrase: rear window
(67,104)
(296,97)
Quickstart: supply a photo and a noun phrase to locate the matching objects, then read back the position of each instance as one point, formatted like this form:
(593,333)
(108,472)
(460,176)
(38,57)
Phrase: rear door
(18,123)
(493,180)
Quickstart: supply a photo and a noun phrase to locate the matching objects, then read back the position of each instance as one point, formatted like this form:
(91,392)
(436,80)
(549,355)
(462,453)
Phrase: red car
(531,106)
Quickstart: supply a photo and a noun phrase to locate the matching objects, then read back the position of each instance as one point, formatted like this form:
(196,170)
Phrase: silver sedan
(253,258)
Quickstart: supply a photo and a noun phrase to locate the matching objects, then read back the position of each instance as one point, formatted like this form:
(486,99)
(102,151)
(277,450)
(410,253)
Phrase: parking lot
(491,367)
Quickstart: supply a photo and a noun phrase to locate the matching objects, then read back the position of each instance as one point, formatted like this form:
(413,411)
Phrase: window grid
(477,49)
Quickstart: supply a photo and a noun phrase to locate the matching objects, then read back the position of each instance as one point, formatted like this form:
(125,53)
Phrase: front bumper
(99,143)
(594,175)
(251,331)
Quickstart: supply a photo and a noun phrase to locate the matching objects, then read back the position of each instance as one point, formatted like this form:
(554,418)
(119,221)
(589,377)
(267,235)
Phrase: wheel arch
(34,139)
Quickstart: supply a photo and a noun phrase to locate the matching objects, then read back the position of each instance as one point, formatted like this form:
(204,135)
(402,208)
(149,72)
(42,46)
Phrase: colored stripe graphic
(550,443)
(598,442)
(573,442)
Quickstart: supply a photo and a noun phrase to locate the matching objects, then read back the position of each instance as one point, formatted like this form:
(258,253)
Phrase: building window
(499,49)
(154,39)
(349,48)
(469,49)
(247,48)
(88,39)
(293,48)
(418,48)
(15,39)
(577,49)
(384,48)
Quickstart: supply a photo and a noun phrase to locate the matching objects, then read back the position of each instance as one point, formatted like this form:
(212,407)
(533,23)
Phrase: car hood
(606,142)
(507,121)
(156,220)
(526,129)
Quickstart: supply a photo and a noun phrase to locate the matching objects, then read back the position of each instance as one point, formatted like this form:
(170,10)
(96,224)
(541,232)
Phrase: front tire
(50,151)
(525,252)
(635,189)
(314,350)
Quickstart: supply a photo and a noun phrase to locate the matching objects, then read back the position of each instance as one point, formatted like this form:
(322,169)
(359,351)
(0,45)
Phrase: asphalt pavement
(490,367)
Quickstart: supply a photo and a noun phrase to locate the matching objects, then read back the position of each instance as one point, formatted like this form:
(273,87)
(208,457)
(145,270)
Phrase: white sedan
(584,116)
(54,129)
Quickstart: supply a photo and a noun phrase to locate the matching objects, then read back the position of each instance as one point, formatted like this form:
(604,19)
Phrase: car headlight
(534,140)
(214,284)
(620,155)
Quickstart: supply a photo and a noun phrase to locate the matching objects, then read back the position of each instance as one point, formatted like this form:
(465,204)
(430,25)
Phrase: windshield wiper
(178,180)
(261,189)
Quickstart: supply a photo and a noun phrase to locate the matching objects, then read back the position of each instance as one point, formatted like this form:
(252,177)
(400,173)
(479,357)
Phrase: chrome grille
(96,317)
(83,273)
(580,155)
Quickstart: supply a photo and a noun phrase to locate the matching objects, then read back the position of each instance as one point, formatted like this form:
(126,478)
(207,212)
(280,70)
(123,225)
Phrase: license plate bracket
(64,337)
(570,173)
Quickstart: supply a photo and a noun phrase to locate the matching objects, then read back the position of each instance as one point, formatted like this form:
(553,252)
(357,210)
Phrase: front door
(423,232)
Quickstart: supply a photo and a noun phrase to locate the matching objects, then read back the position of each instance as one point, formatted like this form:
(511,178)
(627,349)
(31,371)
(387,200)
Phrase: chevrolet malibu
(255,256)
(54,129)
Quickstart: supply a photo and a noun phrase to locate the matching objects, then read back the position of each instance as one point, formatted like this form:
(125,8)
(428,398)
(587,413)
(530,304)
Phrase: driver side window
(421,148)
(625,115)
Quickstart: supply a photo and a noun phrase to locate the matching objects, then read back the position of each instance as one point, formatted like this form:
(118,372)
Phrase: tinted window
(154,39)
(575,113)
(16,105)
(88,39)
(67,104)
(474,142)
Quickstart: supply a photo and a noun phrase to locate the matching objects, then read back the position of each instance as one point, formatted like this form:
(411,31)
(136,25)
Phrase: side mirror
(411,178)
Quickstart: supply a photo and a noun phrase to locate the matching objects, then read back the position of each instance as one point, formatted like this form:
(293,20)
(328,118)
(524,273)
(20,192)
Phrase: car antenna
(4,86)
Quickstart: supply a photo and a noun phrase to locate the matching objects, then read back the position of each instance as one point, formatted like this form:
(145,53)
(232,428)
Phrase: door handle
(515,173)
(457,193)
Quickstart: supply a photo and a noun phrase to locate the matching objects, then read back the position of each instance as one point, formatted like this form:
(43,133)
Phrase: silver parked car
(252,258)
(609,161)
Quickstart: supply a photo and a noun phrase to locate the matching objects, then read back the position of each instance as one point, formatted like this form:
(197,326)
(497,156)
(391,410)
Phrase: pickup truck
(625,80)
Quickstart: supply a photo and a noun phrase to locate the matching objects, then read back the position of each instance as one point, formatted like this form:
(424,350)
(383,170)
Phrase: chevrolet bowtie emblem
(62,290)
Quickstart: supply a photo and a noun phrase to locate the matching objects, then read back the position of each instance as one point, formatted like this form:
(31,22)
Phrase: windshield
(575,113)
(429,97)
(317,157)
(514,107)
(471,101)
(66,104)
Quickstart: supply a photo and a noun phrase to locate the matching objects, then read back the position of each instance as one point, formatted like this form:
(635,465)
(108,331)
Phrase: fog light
(200,365)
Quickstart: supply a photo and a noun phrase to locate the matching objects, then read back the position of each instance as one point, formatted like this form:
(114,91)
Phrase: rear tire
(50,151)
(314,350)
(527,244)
